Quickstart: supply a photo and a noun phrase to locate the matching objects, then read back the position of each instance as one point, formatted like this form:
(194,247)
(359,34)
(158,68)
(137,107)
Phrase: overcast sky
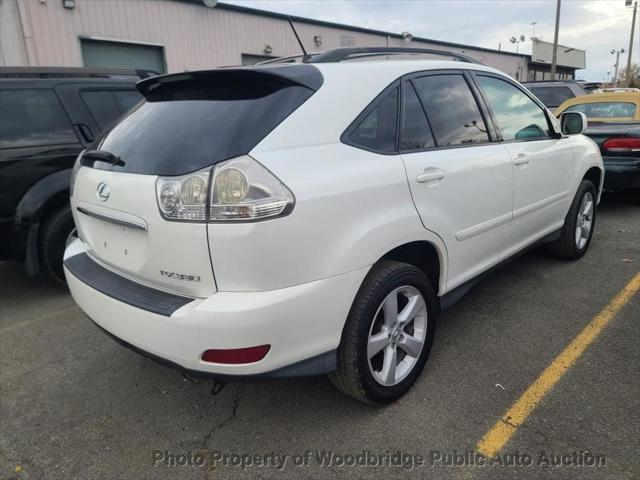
(597,26)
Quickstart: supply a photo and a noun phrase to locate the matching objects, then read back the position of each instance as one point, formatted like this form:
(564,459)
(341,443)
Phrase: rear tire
(579,224)
(372,327)
(54,233)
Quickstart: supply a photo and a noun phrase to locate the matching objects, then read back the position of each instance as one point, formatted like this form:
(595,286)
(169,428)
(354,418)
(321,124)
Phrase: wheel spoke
(411,309)
(377,342)
(388,372)
(587,208)
(410,344)
(585,232)
(390,309)
(578,232)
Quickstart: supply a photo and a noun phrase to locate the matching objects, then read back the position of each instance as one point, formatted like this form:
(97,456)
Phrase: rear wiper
(103,156)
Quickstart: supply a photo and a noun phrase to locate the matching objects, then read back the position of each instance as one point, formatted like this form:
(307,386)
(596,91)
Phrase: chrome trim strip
(138,225)
(539,204)
(483,227)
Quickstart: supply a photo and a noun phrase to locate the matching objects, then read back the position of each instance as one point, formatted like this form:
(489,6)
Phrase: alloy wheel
(585,220)
(397,335)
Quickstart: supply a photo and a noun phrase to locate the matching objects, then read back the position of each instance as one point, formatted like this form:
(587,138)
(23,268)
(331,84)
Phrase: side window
(377,131)
(126,99)
(453,112)
(33,117)
(518,117)
(102,106)
(415,133)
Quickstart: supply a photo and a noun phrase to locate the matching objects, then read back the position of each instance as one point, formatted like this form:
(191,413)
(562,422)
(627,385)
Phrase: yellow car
(614,124)
(612,107)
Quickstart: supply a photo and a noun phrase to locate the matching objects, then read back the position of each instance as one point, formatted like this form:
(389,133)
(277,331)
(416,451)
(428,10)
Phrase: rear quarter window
(102,106)
(377,130)
(33,118)
(127,99)
(106,106)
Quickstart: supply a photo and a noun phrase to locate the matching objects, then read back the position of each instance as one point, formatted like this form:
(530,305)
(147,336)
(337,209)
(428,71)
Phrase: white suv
(301,219)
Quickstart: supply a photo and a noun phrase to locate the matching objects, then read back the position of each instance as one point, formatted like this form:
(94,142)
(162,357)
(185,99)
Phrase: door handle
(521,160)
(430,175)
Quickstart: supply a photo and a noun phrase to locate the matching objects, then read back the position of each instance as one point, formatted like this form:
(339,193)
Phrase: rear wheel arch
(54,202)
(45,196)
(423,255)
(38,206)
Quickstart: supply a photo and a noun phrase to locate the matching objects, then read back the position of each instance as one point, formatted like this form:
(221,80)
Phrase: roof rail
(558,80)
(340,54)
(69,72)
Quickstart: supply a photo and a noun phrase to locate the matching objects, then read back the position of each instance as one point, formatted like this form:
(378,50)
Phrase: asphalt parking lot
(74,404)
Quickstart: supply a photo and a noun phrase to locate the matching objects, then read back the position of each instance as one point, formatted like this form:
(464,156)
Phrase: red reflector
(623,144)
(236,355)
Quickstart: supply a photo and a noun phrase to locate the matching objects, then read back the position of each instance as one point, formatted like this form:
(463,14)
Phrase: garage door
(98,53)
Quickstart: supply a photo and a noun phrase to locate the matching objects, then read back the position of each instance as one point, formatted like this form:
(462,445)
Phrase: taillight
(236,356)
(243,190)
(238,190)
(622,144)
(183,198)
(74,173)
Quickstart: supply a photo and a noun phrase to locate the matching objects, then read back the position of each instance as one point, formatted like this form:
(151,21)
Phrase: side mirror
(573,123)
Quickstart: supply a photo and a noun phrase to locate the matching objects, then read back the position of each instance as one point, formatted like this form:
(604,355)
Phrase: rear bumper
(303,324)
(621,173)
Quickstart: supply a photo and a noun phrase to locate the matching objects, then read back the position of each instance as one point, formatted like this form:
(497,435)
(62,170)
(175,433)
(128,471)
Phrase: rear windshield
(192,125)
(605,109)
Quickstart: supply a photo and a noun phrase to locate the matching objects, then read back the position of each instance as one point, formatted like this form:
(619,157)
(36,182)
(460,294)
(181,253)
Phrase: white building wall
(43,33)
(12,41)
(571,57)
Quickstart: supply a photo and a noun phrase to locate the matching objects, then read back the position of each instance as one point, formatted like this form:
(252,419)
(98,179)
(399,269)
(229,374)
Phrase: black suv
(47,116)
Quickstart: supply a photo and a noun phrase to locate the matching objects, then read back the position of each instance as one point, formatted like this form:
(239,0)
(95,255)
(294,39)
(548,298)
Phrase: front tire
(579,224)
(388,334)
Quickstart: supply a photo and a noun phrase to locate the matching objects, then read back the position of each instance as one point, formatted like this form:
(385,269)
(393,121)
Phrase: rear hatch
(188,123)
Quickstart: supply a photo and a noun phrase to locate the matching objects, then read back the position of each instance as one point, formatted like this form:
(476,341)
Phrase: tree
(622,80)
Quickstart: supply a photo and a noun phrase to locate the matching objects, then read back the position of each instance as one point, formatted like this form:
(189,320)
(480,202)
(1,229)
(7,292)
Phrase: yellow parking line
(496,438)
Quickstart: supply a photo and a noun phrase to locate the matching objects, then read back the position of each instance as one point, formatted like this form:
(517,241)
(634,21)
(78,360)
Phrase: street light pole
(615,70)
(633,28)
(554,58)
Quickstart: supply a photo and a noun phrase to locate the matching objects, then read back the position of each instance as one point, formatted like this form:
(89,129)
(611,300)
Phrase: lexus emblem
(103,192)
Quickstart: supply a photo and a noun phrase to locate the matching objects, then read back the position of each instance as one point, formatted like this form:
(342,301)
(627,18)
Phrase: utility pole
(615,70)
(554,58)
(633,28)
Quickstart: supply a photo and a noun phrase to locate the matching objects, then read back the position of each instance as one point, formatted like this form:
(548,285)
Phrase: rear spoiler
(241,79)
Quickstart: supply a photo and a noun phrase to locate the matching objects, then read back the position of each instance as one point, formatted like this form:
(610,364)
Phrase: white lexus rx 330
(301,219)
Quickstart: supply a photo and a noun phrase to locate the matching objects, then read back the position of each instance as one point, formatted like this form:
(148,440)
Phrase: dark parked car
(47,116)
(553,92)
(620,147)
